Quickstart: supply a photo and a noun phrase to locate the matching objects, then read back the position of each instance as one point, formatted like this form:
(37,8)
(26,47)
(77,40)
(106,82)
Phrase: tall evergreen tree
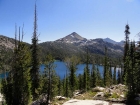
(60,87)
(126,48)
(35,60)
(110,72)
(93,76)
(119,77)
(99,80)
(85,80)
(106,70)
(80,81)
(71,63)
(88,70)
(87,73)
(114,76)
(52,78)
(17,87)
(67,86)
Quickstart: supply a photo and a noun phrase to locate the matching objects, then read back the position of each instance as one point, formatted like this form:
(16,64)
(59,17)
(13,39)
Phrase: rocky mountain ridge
(72,44)
(6,42)
(94,45)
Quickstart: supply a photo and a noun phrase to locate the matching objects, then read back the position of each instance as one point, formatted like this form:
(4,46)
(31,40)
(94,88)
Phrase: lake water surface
(61,69)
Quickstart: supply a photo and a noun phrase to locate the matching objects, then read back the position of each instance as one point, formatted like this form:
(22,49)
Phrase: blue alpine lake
(61,69)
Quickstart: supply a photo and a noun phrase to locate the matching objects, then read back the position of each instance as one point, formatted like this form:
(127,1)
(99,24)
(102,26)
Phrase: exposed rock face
(115,93)
(85,102)
(60,98)
(7,42)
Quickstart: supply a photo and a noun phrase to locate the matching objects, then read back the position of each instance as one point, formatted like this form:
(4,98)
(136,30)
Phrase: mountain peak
(76,36)
(73,37)
(74,33)
(109,40)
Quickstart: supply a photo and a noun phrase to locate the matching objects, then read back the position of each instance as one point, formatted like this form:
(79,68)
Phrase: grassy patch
(107,95)
(87,95)
(114,95)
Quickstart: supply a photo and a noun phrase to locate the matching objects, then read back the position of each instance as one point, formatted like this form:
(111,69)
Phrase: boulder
(57,97)
(99,96)
(98,89)
(62,98)
(122,95)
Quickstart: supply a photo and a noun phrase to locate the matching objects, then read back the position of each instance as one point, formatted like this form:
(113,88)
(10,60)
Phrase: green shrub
(114,95)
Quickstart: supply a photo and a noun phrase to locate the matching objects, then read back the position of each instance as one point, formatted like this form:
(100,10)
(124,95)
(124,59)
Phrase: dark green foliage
(21,72)
(93,76)
(7,90)
(131,73)
(23,75)
(60,87)
(99,80)
(16,88)
(35,60)
(66,86)
(71,63)
(126,48)
(51,81)
(80,82)
(119,79)
(114,76)
(107,78)
(110,72)
(87,72)
(85,80)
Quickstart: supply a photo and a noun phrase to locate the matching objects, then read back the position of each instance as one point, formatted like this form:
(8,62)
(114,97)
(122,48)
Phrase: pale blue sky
(58,18)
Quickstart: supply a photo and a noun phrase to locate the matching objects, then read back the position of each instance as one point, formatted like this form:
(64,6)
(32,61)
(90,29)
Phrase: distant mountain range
(76,44)
(121,43)
(76,38)
(73,44)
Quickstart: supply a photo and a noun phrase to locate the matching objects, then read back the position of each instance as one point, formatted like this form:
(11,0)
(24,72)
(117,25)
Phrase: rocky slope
(80,44)
(6,42)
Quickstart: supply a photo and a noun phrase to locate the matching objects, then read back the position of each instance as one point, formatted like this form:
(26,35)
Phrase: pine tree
(35,60)
(87,70)
(60,89)
(80,82)
(119,77)
(93,76)
(71,63)
(7,84)
(110,73)
(131,76)
(114,76)
(126,48)
(52,78)
(85,79)
(67,91)
(16,88)
(137,71)
(99,80)
(87,73)
(106,70)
